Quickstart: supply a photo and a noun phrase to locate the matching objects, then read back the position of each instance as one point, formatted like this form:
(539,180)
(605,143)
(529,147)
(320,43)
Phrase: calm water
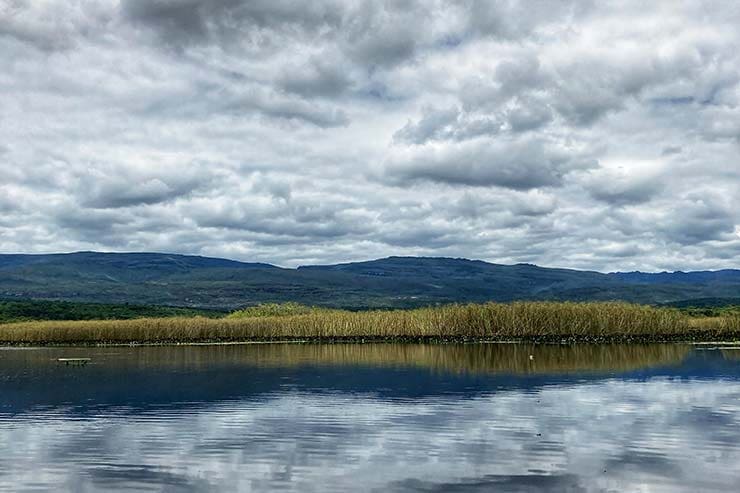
(371,418)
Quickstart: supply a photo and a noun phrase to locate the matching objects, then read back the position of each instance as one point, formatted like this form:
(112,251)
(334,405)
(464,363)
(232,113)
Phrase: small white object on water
(74,361)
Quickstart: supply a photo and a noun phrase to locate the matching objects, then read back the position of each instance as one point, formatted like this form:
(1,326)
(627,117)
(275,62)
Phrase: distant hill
(696,277)
(202,282)
(133,263)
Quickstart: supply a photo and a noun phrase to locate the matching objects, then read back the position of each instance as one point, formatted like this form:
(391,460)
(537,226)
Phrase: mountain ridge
(390,282)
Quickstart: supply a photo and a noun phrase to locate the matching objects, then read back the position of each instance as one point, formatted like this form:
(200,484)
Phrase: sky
(592,135)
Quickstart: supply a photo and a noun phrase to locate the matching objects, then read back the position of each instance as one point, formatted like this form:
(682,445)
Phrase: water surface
(384,417)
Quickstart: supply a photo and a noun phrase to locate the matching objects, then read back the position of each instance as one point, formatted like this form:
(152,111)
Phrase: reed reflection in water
(471,358)
(371,418)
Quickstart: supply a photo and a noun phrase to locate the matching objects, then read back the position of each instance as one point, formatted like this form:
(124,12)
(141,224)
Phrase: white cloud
(346,130)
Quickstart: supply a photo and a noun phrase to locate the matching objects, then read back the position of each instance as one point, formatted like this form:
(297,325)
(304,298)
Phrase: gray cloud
(128,188)
(319,76)
(576,134)
(446,124)
(278,107)
(88,224)
(514,20)
(298,217)
(529,115)
(701,217)
(619,187)
(50,26)
(384,33)
(195,21)
(519,165)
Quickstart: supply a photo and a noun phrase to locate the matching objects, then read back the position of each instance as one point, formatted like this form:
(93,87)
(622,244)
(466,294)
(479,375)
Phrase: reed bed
(494,321)
(729,323)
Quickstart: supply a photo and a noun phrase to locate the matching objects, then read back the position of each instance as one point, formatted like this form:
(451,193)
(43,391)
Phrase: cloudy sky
(600,135)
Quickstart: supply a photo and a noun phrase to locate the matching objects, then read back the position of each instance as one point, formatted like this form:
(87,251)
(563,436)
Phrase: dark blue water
(371,418)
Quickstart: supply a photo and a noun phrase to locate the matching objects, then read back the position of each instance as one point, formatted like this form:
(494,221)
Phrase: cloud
(279,107)
(632,184)
(51,26)
(384,33)
(317,77)
(519,165)
(529,115)
(446,124)
(567,133)
(181,22)
(88,224)
(281,215)
(700,217)
(152,181)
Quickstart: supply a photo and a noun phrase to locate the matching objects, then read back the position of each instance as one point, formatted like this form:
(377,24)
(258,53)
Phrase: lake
(372,417)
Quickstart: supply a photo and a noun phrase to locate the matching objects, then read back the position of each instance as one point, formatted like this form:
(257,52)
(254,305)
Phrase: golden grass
(727,323)
(471,321)
(278,310)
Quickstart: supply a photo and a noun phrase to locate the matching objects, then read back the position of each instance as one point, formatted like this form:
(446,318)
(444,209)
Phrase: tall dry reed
(476,321)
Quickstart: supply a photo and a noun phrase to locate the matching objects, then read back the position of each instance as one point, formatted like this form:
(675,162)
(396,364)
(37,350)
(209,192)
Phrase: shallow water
(371,418)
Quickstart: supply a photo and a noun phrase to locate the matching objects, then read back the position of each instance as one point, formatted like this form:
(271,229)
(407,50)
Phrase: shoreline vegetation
(37,310)
(546,322)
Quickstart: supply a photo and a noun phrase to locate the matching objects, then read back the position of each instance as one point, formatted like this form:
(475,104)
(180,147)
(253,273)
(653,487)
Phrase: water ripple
(374,429)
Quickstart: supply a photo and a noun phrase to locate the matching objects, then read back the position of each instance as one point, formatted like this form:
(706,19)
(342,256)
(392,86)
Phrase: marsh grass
(522,320)
(277,310)
(729,323)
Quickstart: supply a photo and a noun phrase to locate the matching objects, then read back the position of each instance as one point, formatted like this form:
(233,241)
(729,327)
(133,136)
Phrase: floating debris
(74,361)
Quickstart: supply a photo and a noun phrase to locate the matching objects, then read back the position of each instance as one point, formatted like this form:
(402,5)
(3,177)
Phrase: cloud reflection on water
(663,434)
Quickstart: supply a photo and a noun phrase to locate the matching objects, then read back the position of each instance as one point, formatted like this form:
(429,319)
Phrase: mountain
(464,279)
(129,262)
(696,277)
(203,282)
